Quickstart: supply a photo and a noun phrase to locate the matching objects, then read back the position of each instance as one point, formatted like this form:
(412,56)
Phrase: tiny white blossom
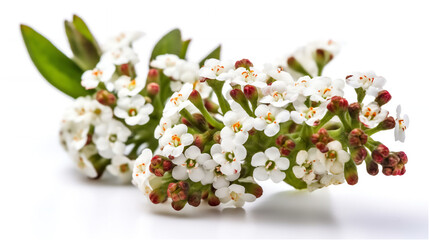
(236,194)
(229,157)
(309,115)
(268,119)
(251,76)
(74,135)
(190,164)
(183,71)
(125,86)
(368,81)
(372,114)
(178,101)
(336,157)
(309,164)
(81,158)
(322,89)
(124,39)
(402,124)
(279,94)
(88,110)
(269,164)
(164,61)
(121,167)
(237,124)
(134,110)
(110,138)
(277,73)
(141,171)
(175,140)
(119,56)
(216,69)
(103,72)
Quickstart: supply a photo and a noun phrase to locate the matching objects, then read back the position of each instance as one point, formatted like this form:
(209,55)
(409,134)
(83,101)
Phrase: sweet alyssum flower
(218,128)
(303,132)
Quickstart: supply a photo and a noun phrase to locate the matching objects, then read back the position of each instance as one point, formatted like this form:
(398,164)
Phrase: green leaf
(81,26)
(185,45)
(55,67)
(214,54)
(82,43)
(170,43)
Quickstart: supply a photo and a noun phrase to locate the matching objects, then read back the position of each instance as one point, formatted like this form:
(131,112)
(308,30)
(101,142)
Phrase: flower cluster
(266,124)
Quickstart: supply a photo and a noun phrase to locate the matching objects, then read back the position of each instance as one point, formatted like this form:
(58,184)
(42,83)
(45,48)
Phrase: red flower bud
(159,165)
(153,76)
(372,168)
(281,139)
(105,97)
(246,63)
(388,123)
(250,92)
(350,173)
(380,153)
(194,199)
(125,69)
(358,155)
(284,151)
(403,157)
(383,97)
(153,89)
(211,106)
(337,105)
(354,110)
(357,138)
(157,196)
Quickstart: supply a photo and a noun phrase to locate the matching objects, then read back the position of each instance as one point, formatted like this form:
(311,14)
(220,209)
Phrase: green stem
(328,116)
(188,116)
(217,88)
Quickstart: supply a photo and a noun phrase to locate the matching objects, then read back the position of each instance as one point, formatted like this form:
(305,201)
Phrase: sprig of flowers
(266,124)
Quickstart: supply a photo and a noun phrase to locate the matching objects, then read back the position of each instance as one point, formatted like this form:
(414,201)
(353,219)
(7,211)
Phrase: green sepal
(59,70)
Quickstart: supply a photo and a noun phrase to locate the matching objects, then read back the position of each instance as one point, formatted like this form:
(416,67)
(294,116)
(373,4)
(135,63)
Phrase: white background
(44,197)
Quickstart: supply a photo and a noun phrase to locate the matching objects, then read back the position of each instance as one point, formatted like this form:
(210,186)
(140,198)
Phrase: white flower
(277,73)
(269,165)
(103,72)
(268,119)
(309,115)
(237,124)
(309,164)
(215,69)
(81,158)
(164,61)
(88,110)
(110,138)
(190,164)
(214,175)
(372,114)
(183,71)
(121,167)
(178,101)
(235,193)
(229,157)
(370,82)
(141,171)
(301,84)
(164,124)
(175,140)
(402,124)
(119,56)
(124,39)
(134,110)
(322,89)
(336,157)
(279,94)
(125,86)
(243,77)
(74,135)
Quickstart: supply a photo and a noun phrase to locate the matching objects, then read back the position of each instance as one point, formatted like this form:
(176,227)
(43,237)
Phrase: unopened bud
(354,110)
(284,151)
(350,173)
(153,76)
(383,97)
(125,69)
(357,137)
(390,161)
(254,189)
(211,106)
(296,66)
(388,123)
(380,153)
(178,205)
(322,57)
(245,63)
(358,154)
(159,165)
(216,137)
(372,168)
(387,171)
(105,97)
(322,147)
(338,105)
(403,157)
(194,199)
(251,93)
(152,89)
(280,140)
(157,196)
